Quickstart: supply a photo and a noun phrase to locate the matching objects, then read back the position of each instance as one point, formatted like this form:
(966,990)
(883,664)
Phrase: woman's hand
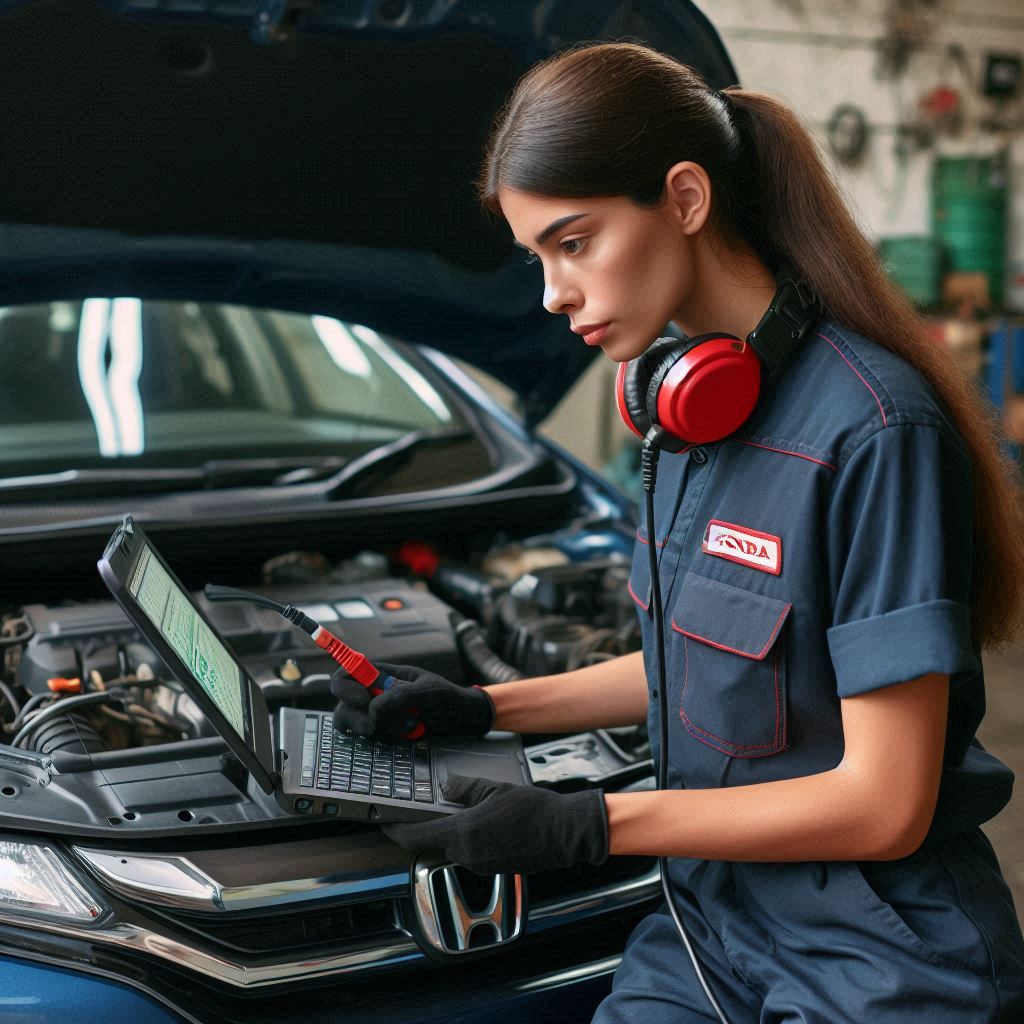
(512,828)
(444,707)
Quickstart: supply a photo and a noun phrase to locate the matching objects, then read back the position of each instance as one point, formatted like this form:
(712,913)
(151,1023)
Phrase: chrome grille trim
(609,965)
(355,958)
(598,901)
(176,882)
(231,972)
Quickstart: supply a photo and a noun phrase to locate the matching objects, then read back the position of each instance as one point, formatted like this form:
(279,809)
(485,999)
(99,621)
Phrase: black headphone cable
(649,452)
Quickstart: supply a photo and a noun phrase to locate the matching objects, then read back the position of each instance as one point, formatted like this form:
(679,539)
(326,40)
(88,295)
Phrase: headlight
(37,882)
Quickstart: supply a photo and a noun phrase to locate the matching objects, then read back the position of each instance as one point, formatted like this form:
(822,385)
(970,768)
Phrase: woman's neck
(732,289)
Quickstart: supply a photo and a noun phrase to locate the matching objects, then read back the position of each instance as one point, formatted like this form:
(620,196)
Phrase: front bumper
(578,975)
(558,972)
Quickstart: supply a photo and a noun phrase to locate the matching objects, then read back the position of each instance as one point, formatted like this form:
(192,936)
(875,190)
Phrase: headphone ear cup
(632,383)
(665,360)
(706,390)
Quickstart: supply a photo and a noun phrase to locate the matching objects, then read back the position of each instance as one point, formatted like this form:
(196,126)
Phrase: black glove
(445,708)
(512,828)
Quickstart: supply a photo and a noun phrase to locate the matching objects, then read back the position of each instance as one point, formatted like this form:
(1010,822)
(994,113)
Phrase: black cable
(11,699)
(36,699)
(215,593)
(289,611)
(613,743)
(33,702)
(62,706)
(649,466)
(474,648)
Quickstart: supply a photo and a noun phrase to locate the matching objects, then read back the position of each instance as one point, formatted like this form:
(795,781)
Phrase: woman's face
(620,272)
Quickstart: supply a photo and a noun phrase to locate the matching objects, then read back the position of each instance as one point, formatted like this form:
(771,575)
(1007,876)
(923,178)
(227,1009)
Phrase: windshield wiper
(340,475)
(363,472)
(215,473)
(80,482)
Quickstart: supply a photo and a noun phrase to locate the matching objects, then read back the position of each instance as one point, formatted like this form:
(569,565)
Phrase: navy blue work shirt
(825,551)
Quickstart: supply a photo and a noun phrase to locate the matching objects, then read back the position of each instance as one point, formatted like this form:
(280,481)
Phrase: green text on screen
(192,640)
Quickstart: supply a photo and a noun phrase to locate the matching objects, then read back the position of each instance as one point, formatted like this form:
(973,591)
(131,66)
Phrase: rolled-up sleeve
(900,552)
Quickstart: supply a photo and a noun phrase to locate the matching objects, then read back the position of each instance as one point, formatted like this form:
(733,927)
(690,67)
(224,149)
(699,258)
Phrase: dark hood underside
(308,156)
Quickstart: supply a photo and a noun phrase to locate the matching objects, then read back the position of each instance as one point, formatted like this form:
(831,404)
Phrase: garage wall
(817,54)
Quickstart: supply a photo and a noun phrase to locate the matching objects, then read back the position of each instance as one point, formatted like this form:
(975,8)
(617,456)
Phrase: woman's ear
(688,196)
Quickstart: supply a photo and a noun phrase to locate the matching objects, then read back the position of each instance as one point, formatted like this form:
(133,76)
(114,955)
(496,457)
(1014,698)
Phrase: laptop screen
(209,661)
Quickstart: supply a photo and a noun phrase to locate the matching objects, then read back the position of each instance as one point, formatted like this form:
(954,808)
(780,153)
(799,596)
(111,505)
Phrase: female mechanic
(829,572)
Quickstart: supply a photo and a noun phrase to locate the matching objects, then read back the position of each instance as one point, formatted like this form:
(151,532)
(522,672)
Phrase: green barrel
(914,263)
(969,211)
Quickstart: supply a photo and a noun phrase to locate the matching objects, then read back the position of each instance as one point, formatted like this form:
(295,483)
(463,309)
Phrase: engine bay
(138,753)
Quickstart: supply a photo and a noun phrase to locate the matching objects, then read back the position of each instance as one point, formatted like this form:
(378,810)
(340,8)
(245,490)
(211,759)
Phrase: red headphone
(700,390)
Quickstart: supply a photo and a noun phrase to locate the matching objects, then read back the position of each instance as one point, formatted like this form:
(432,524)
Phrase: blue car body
(297,157)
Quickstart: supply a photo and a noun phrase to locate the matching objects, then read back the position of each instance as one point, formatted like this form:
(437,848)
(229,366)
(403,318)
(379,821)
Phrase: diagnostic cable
(649,452)
(357,665)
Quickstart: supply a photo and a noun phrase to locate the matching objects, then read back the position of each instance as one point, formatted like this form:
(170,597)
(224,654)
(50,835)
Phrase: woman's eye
(530,257)
(574,246)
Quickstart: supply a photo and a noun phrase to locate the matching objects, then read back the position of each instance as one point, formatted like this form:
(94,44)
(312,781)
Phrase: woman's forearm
(877,804)
(608,694)
(834,815)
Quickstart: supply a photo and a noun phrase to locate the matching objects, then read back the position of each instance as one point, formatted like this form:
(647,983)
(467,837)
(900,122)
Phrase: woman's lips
(595,335)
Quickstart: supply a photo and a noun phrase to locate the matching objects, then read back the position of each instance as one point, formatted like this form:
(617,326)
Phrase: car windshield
(123,383)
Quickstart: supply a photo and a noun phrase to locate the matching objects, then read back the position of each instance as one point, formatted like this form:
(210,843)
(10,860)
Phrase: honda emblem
(452,921)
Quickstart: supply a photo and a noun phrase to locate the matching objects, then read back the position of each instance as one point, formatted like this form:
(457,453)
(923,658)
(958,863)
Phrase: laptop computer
(308,766)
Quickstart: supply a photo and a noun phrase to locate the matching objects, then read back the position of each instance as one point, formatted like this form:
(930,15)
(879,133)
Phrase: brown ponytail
(612,119)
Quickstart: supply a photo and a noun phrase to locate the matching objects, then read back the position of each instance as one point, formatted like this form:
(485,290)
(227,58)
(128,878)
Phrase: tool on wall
(847,131)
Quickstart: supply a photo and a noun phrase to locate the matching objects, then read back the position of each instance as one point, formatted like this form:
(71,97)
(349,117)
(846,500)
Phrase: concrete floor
(1002,732)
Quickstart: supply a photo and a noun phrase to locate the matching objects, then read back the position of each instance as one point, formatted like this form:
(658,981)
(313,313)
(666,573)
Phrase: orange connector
(61,685)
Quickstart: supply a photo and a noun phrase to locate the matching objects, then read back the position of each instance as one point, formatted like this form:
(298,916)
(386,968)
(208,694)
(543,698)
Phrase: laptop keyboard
(341,762)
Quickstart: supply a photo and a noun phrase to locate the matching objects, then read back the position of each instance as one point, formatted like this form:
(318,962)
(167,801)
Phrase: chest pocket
(727,648)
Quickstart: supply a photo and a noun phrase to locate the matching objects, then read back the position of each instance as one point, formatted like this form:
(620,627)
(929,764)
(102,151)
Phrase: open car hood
(311,155)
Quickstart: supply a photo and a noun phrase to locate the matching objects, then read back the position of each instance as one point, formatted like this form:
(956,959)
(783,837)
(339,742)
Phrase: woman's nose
(558,298)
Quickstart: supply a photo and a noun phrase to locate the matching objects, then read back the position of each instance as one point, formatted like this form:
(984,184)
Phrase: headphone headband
(789,316)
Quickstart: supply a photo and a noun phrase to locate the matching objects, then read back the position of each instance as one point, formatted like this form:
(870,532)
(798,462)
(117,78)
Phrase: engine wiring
(45,707)
(62,706)
(12,702)
(515,607)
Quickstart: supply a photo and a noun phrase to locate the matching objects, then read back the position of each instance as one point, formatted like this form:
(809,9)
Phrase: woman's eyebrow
(555,225)
(550,230)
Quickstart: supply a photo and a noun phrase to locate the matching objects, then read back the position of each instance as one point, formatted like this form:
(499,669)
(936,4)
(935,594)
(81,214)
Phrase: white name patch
(741,544)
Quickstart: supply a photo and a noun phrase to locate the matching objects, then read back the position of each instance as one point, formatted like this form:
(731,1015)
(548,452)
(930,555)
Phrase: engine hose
(465,588)
(473,645)
(33,702)
(62,706)
(68,734)
(601,644)
(12,701)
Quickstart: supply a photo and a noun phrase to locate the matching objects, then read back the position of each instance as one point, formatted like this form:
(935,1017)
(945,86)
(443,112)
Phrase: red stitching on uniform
(779,738)
(657,543)
(856,371)
(629,587)
(796,455)
(732,650)
(707,732)
(691,727)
